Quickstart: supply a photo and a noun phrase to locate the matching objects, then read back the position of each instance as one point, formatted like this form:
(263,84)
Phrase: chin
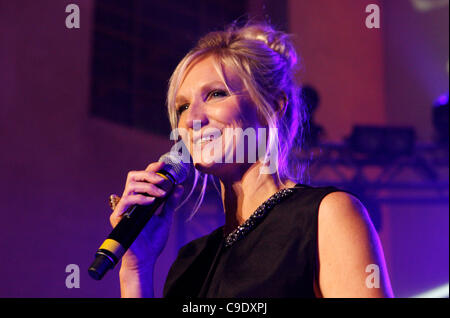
(213,164)
(222,171)
(209,168)
(217,169)
(216,164)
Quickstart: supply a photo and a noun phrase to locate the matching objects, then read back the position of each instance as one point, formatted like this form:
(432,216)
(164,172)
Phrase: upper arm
(350,256)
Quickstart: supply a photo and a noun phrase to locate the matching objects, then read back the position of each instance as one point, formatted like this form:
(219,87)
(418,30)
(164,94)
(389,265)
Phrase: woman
(280,238)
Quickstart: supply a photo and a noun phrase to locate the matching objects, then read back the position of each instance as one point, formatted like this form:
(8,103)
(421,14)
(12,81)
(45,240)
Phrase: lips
(206,137)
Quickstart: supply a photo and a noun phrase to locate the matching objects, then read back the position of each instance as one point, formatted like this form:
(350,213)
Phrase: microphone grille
(175,166)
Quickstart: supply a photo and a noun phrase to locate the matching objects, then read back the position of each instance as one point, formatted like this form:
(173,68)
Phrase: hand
(151,241)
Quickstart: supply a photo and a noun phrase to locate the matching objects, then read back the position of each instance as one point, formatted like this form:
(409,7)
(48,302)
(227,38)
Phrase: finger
(155,166)
(148,176)
(144,188)
(125,203)
(137,199)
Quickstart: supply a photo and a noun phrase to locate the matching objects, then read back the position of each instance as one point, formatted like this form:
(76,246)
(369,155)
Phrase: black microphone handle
(126,231)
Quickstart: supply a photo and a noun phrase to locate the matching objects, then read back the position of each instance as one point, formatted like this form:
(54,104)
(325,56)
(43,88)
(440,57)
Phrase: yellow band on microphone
(161,175)
(114,247)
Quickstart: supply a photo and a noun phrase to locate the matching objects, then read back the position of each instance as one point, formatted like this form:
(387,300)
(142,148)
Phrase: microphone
(136,217)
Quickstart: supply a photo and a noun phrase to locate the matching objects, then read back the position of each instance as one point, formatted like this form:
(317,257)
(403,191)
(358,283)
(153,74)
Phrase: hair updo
(266,61)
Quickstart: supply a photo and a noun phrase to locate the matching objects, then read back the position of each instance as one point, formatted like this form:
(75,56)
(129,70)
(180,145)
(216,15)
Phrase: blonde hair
(266,62)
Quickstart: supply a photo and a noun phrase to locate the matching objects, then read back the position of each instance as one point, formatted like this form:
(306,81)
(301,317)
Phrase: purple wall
(58,165)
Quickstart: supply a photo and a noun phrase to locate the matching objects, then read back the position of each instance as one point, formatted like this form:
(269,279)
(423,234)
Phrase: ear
(281,103)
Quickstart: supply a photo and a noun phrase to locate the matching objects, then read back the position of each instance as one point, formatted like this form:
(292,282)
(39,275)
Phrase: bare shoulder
(344,209)
(348,245)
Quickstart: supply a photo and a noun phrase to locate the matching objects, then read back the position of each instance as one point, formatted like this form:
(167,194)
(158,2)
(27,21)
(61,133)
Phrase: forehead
(208,70)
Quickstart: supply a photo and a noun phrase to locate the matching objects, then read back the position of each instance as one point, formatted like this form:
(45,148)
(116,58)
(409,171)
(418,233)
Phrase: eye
(182,108)
(217,93)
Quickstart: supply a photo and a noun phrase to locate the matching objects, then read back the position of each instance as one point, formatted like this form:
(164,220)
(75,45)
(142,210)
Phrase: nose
(196,116)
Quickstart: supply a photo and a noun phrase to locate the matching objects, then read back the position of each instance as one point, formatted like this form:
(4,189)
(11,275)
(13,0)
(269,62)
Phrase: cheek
(225,113)
(183,132)
(236,112)
(249,113)
(252,117)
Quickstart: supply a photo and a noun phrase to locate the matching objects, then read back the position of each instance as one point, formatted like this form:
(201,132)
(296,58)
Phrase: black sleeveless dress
(276,259)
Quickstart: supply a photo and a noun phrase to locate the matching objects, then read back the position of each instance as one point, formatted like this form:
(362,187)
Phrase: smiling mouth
(205,139)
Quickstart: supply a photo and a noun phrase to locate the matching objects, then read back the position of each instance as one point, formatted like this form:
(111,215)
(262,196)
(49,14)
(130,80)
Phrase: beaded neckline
(257,216)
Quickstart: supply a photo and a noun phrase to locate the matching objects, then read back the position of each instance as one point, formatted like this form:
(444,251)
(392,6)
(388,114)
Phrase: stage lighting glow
(441,100)
(438,292)
(428,5)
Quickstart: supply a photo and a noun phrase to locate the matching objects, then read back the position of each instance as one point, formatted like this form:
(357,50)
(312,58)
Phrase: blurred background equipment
(383,143)
(313,131)
(440,120)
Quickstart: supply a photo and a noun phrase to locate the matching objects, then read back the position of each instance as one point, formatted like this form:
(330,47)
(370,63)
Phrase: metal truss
(421,177)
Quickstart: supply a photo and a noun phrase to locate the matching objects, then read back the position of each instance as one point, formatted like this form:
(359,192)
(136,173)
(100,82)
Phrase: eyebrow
(182,99)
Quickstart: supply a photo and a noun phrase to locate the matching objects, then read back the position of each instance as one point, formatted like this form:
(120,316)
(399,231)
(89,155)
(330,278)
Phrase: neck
(244,192)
